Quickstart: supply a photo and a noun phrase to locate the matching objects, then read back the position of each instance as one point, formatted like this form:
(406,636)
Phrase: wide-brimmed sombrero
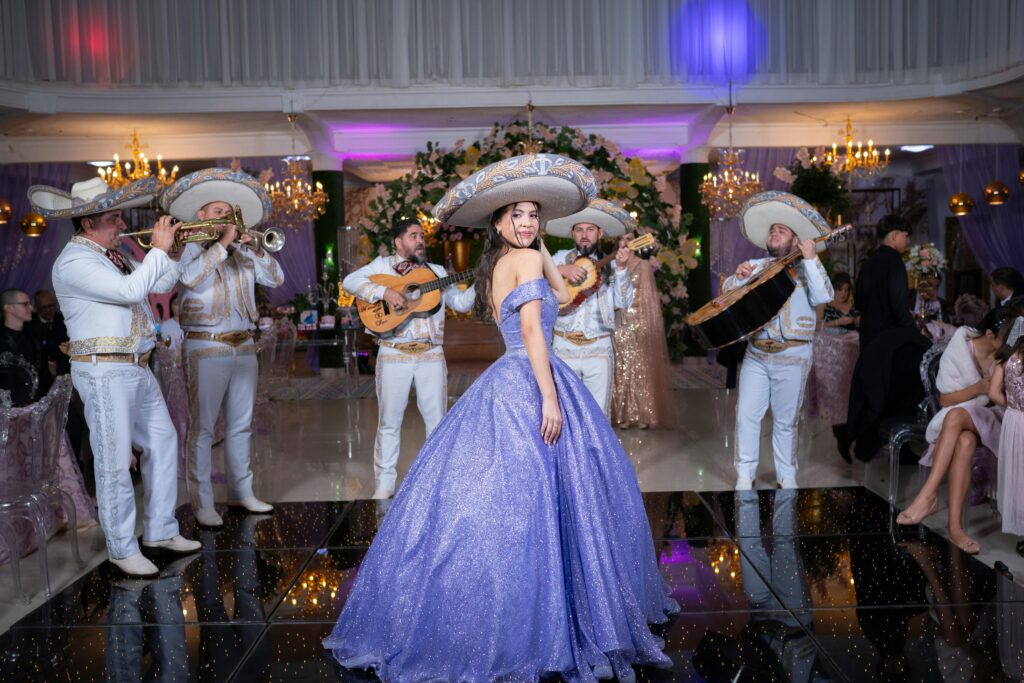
(195,190)
(560,185)
(609,216)
(765,209)
(90,197)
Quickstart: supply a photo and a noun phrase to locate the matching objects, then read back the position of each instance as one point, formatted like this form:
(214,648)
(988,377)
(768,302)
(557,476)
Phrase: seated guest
(19,338)
(1007,284)
(1007,390)
(966,422)
(840,313)
(54,334)
(928,305)
(170,329)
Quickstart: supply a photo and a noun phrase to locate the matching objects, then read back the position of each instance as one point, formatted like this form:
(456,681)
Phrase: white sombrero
(609,216)
(194,191)
(766,209)
(560,185)
(90,197)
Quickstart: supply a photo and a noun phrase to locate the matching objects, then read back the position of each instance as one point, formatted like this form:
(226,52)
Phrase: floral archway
(619,178)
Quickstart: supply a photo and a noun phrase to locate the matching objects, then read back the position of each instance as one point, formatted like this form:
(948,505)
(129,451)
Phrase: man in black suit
(49,321)
(1007,284)
(885,381)
(20,338)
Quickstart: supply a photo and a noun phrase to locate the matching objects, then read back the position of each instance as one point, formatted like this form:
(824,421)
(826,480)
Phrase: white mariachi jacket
(218,293)
(415,329)
(105,310)
(797,319)
(595,318)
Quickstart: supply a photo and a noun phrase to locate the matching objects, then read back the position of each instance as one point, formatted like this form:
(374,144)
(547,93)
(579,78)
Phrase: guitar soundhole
(413,292)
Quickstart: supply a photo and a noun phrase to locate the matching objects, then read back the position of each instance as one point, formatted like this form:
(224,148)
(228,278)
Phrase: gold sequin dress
(641,392)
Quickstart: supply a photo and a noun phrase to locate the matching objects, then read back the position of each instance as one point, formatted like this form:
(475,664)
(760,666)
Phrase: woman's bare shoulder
(526,264)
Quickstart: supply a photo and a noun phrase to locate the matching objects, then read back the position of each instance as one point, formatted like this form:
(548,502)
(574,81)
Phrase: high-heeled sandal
(903,519)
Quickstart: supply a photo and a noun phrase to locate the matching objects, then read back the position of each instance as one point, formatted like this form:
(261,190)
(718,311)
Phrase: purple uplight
(373,156)
(717,41)
(368,129)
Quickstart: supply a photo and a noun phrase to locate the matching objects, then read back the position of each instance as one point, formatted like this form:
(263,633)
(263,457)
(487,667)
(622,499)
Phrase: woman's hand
(550,420)
(982,386)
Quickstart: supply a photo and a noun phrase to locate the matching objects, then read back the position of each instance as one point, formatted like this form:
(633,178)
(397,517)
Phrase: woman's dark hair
(840,279)
(1015,310)
(495,247)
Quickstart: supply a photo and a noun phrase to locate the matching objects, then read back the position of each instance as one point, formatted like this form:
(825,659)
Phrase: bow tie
(119,261)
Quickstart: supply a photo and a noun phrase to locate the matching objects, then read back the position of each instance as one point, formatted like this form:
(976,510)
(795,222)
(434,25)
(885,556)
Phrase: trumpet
(271,239)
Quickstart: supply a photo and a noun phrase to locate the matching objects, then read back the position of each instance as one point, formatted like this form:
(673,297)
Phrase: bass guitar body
(740,312)
(380,317)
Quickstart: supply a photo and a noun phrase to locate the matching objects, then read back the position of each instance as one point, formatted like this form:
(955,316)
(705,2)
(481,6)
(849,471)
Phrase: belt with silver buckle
(578,338)
(407,347)
(773,346)
(135,359)
(233,338)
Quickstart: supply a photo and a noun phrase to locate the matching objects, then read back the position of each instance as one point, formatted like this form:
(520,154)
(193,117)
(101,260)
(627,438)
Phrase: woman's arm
(529,267)
(554,278)
(995,390)
(979,388)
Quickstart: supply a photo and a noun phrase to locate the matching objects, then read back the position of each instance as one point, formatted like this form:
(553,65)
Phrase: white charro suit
(399,370)
(107,313)
(583,338)
(778,378)
(218,297)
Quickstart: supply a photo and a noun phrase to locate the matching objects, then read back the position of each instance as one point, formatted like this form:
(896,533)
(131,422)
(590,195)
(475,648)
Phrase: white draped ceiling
(589,43)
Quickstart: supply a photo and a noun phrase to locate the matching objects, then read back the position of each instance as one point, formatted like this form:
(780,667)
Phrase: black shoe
(1003,569)
(842,442)
(1020,548)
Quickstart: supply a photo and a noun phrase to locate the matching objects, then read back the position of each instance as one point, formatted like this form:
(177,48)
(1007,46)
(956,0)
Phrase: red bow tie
(119,261)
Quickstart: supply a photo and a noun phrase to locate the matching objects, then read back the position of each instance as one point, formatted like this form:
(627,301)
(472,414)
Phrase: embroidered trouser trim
(218,376)
(597,370)
(124,405)
(775,380)
(397,373)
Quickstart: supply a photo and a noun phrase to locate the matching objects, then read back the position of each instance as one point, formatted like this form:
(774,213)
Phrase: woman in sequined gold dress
(642,390)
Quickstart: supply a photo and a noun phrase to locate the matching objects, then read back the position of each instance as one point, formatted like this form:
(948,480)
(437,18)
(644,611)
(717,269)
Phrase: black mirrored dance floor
(778,585)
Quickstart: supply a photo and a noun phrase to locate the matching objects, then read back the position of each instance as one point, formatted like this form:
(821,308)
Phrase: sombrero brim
(766,209)
(612,226)
(54,204)
(191,193)
(561,186)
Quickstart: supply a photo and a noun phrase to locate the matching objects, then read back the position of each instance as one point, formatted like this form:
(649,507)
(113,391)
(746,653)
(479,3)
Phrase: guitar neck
(838,232)
(447,281)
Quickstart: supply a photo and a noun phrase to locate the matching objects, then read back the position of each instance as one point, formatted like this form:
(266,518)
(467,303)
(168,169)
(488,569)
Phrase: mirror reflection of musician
(778,358)
(583,338)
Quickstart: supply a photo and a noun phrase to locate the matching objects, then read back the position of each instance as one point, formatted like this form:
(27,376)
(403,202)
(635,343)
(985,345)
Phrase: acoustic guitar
(740,312)
(579,292)
(422,289)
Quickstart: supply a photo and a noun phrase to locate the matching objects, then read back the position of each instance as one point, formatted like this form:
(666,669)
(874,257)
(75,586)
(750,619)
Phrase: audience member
(53,332)
(19,338)
(1007,284)
(840,313)
(882,292)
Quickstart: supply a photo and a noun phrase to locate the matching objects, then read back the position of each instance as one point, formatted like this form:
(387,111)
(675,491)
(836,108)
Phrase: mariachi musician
(218,317)
(411,354)
(583,336)
(778,357)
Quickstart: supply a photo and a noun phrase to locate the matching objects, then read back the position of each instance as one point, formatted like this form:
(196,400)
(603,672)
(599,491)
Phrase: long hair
(1014,311)
(495,247)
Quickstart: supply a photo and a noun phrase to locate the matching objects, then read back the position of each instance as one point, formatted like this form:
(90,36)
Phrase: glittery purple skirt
(502,558)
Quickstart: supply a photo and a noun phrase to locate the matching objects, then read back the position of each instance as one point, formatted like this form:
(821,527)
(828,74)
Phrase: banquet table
(828,383)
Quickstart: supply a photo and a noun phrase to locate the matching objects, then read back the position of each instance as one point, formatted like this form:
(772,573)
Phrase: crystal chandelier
(725,192)
(136,169)
(296,200)
(857,159)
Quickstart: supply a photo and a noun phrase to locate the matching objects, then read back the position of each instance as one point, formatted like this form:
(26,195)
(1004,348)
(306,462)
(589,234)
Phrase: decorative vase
(460,255)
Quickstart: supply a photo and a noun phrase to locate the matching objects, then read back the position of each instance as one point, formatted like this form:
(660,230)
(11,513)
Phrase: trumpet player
(103,296)
(218,317)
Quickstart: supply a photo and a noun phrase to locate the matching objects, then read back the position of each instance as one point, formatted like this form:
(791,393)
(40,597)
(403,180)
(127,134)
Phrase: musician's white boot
(208,517)
(744,483)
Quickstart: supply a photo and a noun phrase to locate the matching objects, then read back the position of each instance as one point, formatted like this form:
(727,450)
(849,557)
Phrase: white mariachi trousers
(219,375)
(594,364)
(396,374)
(776,380)
(124,405)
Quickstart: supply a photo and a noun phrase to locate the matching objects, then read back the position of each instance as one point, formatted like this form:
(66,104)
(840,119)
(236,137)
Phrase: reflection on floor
(780,585)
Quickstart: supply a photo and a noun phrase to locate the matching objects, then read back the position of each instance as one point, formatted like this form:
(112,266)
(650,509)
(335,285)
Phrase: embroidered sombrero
(195,190)
(560,185)
(90,197)
(765,209)
(609,216)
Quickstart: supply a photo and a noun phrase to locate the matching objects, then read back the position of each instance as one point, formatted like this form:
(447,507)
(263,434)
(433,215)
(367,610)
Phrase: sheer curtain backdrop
(26,262)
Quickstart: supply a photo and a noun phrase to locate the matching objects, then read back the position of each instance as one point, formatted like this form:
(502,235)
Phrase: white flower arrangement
(926,259)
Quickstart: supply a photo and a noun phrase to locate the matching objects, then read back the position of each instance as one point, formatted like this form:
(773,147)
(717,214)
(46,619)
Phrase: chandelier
(295,199)
(858,159)
(725,192)
(136,169)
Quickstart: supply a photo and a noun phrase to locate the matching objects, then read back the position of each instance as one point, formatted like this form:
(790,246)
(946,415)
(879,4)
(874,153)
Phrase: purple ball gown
(503,558)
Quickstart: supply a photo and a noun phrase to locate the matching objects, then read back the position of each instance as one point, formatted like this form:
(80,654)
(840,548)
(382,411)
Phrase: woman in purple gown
(517,547)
